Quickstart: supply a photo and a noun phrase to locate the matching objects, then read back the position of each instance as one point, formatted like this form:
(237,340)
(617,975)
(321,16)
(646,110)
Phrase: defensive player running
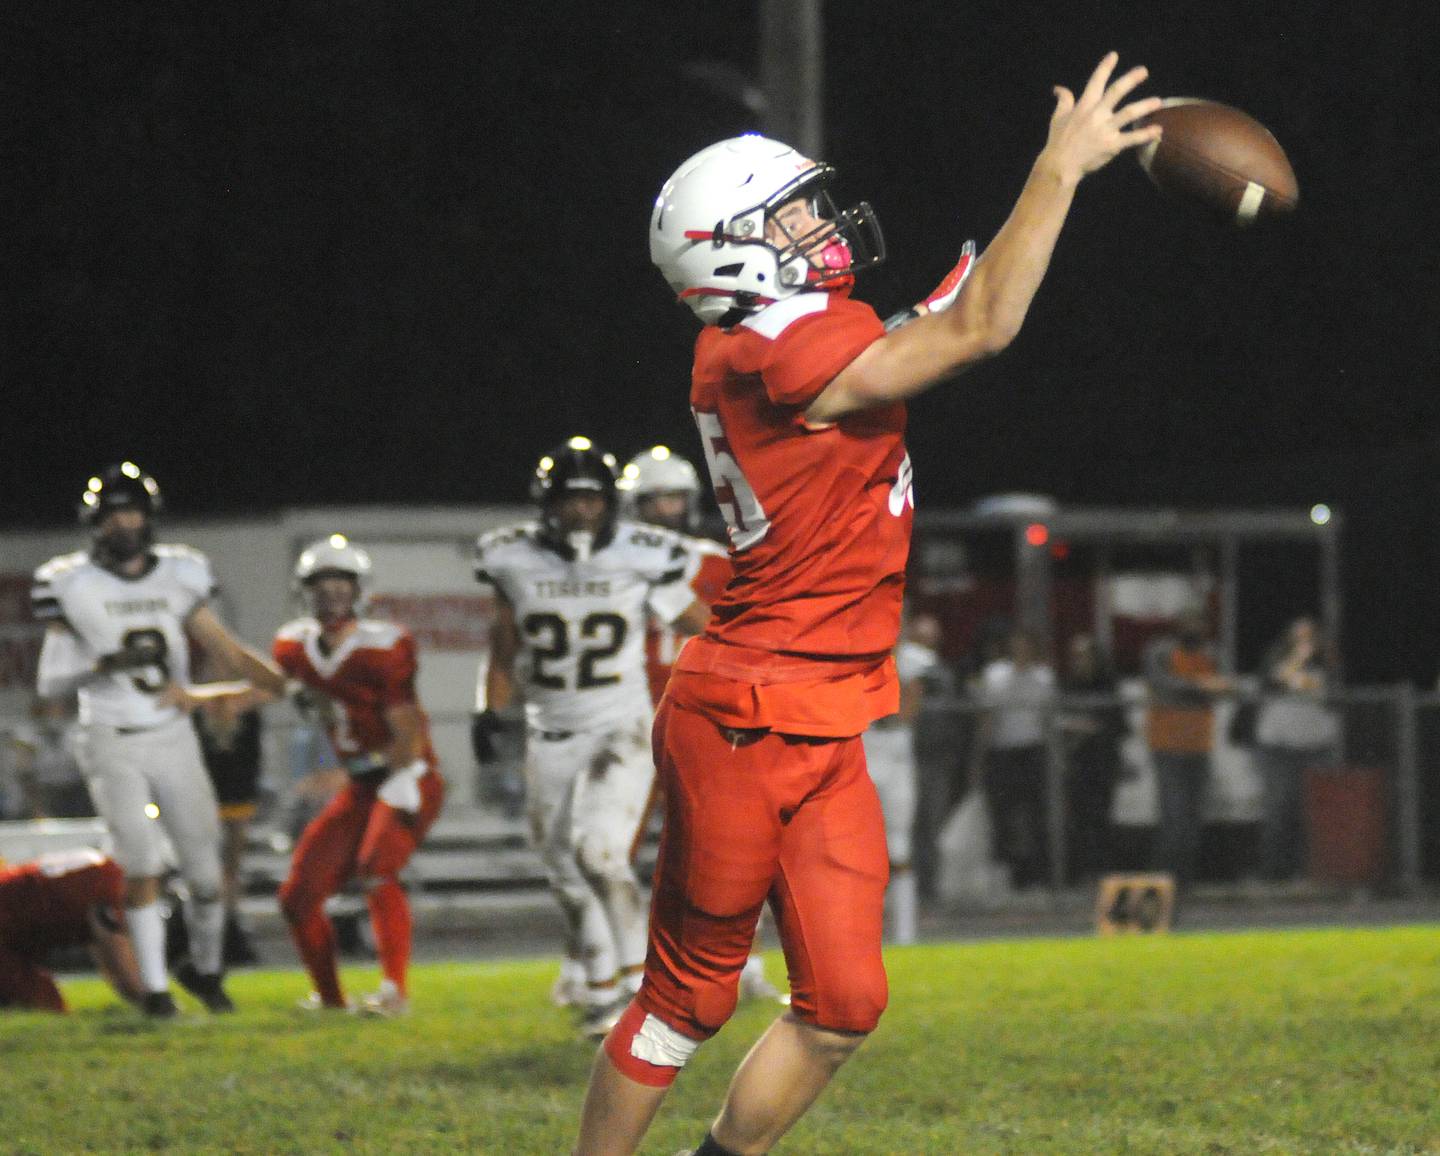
(363,672)
(798,394)
(573,592)
(122,617)
(661,488)
(62,899)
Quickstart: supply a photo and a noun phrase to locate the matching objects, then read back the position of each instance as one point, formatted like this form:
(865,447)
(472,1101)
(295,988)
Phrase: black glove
(139,651)
(485,727)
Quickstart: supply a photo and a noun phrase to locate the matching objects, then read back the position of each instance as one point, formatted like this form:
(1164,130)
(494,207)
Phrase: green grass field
(1293,1042)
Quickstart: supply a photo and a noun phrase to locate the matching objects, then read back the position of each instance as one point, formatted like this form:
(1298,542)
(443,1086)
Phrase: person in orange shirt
(799,394)
(1180,730)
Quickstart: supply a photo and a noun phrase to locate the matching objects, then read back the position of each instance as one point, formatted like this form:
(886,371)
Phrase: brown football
(1219,157)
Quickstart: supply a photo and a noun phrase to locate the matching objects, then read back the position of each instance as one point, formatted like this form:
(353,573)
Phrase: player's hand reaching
(1088,131)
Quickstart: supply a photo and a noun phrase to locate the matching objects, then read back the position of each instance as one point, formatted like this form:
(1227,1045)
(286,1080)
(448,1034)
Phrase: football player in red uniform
(63,899)
(364,672)
(798,391)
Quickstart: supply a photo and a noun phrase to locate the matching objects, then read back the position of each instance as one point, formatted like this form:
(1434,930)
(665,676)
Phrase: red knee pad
(647,1050)
(856,1009)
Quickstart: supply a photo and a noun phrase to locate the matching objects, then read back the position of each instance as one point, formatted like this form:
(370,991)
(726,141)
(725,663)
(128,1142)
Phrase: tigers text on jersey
(819,516)
(582,624)
(371,670)
(663,642)
(103,611)
(44,904)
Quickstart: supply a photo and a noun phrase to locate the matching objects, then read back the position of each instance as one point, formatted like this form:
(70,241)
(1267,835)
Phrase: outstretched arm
(1085,134)
(232,654)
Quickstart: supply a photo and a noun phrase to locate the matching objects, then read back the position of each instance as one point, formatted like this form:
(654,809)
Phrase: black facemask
(117,546)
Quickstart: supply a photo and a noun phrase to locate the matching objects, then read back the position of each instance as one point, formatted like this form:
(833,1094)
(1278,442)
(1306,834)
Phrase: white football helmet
(659,470)
(333,555)
(707,234)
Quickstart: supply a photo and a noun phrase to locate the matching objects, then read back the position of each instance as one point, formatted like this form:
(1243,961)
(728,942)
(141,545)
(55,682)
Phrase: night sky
(304,253)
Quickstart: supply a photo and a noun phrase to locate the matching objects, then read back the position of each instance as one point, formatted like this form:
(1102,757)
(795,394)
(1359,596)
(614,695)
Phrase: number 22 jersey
(582,623)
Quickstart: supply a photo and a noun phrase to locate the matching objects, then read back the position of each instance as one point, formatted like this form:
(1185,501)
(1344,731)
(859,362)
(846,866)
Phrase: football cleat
(570,988)
(754,985)
(599,1018)
(313,1003)
(206,988)
(159,1005)
(387,1003)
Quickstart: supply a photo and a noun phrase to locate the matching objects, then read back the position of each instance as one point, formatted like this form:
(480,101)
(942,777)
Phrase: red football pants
(792,820)
(356,835)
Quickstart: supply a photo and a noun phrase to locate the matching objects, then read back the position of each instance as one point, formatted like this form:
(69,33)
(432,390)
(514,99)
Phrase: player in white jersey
(574,592)
(890,758)
(121,618)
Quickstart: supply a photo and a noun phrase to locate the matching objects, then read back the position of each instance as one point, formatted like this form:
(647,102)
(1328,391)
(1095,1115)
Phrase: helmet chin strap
(582,542)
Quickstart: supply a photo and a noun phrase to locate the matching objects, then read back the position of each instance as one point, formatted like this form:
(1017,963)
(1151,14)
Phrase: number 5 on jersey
(743,513)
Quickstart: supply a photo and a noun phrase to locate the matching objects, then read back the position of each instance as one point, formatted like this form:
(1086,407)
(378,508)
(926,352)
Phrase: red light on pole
(1037,533)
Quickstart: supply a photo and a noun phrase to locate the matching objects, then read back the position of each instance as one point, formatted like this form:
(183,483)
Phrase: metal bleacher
(472,849)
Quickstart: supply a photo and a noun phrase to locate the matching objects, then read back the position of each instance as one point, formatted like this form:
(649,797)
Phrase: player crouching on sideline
(63,899)
(362,671)
(661,488)
(573,592)
(799,394)
(121,619)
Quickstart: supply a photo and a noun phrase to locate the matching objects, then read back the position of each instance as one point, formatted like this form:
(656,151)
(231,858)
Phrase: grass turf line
(1290,1042)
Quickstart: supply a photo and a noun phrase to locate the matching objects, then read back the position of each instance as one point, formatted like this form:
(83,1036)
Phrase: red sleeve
(812,350)
(712,578)
(398,667)
(285,654)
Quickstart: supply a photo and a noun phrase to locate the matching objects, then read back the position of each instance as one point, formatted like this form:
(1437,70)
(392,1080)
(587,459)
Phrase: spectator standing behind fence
(1294,730)
(1015,693)
(52,785)
(939,753)
(1182,681)
(1093,731)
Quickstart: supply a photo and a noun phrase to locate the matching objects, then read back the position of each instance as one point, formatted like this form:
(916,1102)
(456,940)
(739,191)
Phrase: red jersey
(663,642)
(819,515)
(371,670)
(44,904)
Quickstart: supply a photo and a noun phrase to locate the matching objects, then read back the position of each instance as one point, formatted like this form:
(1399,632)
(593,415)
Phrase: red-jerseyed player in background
(364,671)
(798,394)
(63,899)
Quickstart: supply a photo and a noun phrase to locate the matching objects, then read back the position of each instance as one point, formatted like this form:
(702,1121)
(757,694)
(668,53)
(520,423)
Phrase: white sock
(147,933)
(206,924)
(597,944)
(900,900)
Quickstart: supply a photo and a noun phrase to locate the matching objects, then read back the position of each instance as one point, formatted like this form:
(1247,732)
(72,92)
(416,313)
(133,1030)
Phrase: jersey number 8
(151,645)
